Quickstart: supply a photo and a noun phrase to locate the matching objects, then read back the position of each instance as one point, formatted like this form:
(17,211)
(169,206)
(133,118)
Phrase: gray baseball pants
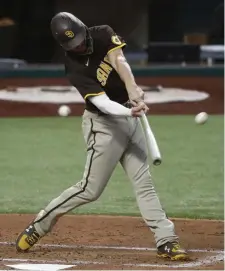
(111,140)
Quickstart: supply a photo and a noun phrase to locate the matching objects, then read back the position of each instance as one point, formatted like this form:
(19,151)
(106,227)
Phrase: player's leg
(105,146)
(135,164)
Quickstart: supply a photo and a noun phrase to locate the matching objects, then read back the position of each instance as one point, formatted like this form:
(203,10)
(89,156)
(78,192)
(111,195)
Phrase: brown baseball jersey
(93,74)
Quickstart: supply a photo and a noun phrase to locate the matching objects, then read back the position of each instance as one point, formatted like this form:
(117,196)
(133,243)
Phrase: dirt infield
(211,85)
(108,242)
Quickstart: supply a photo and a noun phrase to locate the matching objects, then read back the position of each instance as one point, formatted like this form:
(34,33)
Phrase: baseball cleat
(172,251)
(27,239)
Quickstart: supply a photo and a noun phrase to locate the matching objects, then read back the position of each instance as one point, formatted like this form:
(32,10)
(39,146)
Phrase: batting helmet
(71,33)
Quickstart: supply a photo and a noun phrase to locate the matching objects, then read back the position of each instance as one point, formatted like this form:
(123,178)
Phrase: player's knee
(93,197)
(89,192)
(93,194)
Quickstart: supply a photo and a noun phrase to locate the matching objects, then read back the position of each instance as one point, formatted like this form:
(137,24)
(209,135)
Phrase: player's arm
(114,45)
(90,90)
(120,64)
(107,106)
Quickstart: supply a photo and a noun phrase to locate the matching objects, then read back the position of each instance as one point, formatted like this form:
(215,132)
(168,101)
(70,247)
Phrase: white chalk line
(208,260)
(108,247)
(52,261)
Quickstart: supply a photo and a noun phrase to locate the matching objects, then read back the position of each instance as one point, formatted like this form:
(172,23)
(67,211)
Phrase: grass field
(40,157)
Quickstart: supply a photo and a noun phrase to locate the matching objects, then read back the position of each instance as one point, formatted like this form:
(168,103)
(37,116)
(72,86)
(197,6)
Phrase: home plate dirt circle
(110,242)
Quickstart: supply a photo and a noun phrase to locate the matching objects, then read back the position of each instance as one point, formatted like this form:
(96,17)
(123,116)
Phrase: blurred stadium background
(176,50)
(176,26)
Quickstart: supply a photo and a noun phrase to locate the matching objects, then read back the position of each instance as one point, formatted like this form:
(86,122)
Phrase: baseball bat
(151,141)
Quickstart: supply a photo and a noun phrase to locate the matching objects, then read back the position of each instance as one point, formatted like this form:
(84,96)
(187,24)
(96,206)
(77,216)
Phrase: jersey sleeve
(112,40)
(86,86)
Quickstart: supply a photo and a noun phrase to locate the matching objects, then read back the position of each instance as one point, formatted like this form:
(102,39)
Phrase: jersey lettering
(106,67)
(103,73)
(102,76)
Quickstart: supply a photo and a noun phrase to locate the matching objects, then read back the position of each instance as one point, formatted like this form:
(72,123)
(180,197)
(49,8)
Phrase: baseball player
(96,66)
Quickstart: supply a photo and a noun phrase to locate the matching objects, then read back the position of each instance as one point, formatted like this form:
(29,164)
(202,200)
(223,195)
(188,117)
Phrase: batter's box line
(208,260)
(108,247)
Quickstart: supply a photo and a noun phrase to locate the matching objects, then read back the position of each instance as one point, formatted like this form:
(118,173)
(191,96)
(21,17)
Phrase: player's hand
(142,103)
(138,109)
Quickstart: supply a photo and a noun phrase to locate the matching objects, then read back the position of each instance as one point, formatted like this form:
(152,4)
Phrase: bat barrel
(151,142)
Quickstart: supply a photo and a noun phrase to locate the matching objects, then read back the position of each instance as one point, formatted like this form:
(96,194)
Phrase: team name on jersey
(104,71)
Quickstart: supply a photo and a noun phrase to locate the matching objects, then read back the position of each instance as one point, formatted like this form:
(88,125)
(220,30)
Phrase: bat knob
(157,162)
